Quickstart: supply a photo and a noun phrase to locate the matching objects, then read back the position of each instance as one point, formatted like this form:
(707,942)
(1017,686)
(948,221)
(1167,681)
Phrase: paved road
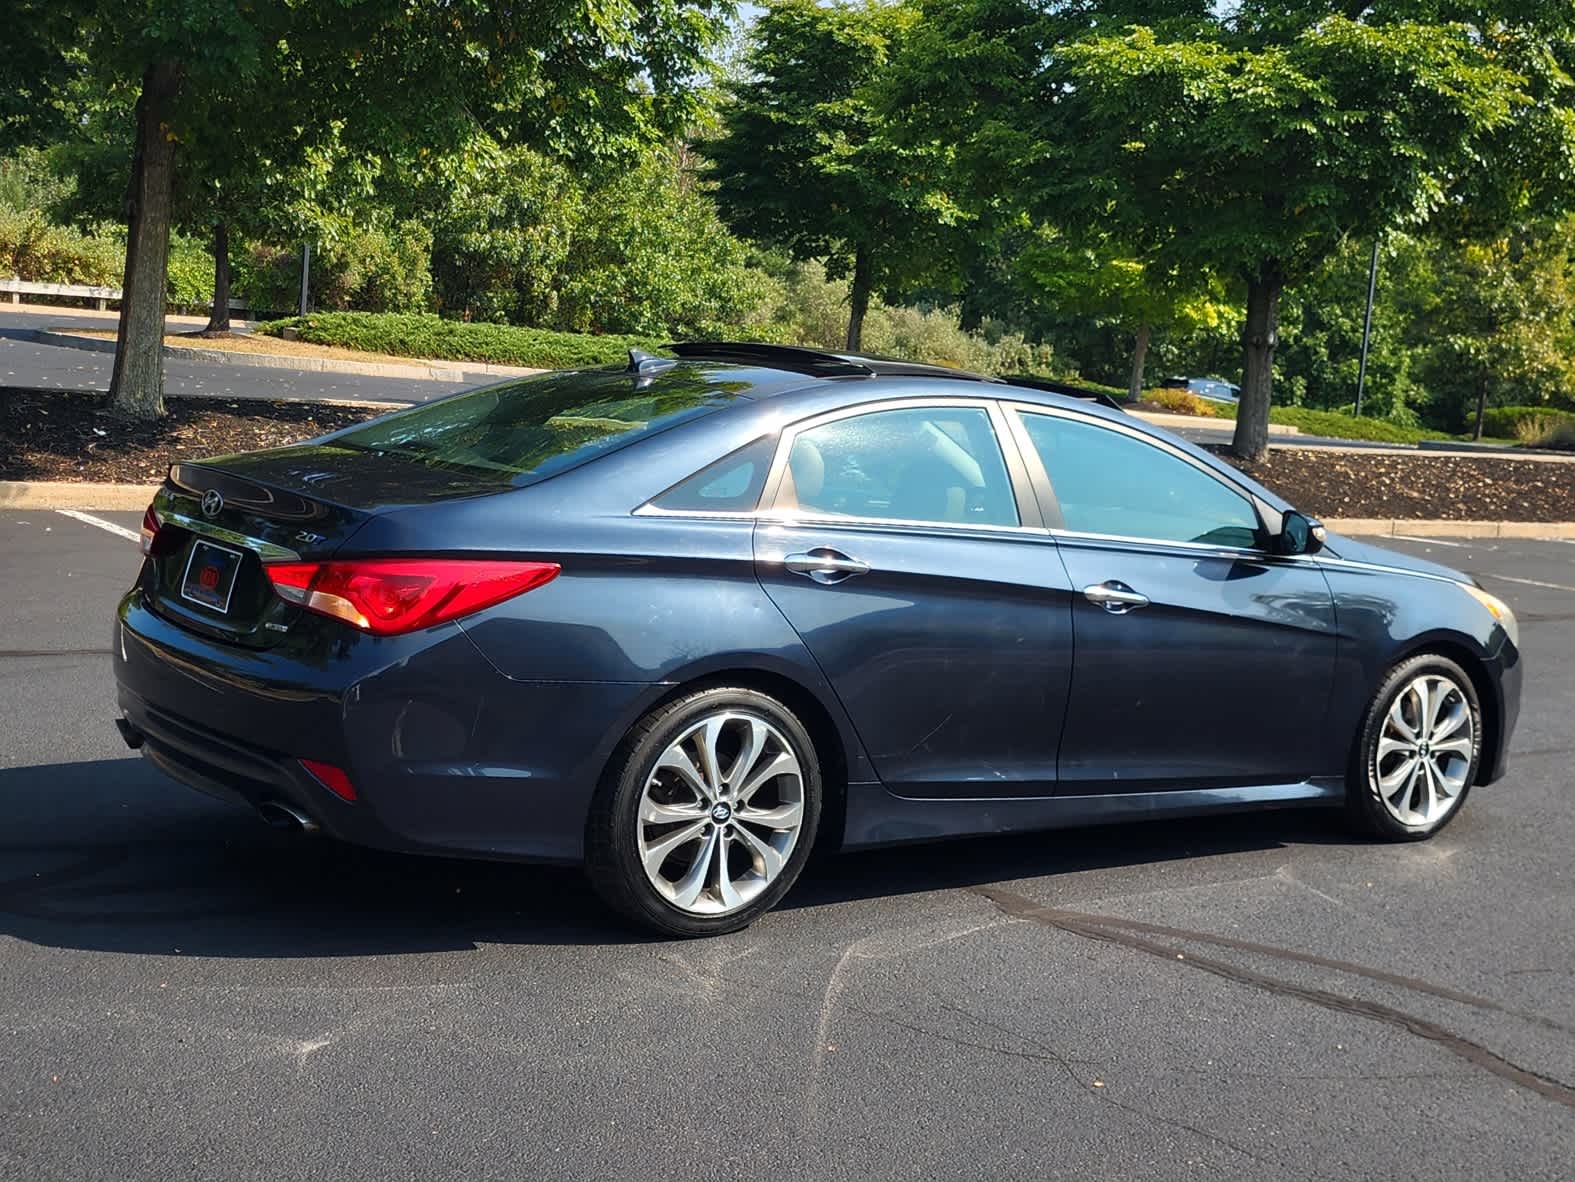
(186,994)
(25,363)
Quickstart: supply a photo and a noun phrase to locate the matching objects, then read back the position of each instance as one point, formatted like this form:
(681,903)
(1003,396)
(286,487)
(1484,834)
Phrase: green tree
(807,160)
(1495,322)
(388,77)
(1261,157)
(1100,281)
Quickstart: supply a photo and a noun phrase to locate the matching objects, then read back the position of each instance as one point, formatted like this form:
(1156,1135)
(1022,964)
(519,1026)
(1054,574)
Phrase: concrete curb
(419,370)
(1399,527)
(1176,422)
(44,494)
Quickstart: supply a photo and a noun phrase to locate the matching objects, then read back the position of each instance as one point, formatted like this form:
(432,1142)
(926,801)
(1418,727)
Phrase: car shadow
(112,856)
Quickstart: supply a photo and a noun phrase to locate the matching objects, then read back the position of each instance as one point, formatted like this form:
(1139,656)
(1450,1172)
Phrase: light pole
(306,273)
(1367,326)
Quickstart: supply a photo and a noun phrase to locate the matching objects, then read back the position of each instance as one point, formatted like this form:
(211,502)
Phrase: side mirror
(1299,534)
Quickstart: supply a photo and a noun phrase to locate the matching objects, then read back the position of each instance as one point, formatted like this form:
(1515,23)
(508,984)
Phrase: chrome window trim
(1020,409)
(1073,535)
(1024,501)
(784,517)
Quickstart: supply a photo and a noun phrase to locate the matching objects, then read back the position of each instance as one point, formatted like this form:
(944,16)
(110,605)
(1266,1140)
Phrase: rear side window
(1107,482)
(527,430)
(933,464)
(731,485)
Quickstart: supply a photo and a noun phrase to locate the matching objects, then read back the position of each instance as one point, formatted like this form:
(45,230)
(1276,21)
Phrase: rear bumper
(446,754)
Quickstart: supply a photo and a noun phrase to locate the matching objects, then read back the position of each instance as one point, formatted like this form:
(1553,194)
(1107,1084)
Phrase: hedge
(1500,421)
(456,340)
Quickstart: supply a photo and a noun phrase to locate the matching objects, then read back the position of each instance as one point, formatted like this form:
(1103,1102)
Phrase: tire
(1385,797)
(656,818)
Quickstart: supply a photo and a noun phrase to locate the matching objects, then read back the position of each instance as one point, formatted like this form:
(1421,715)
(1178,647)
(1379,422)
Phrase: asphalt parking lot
(185,993)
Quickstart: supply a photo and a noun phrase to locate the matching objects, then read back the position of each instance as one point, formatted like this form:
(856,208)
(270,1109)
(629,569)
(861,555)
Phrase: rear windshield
(527,430)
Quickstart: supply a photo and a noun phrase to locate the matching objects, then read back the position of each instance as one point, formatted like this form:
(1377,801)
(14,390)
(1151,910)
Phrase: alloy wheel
(1425,751)
(720,813)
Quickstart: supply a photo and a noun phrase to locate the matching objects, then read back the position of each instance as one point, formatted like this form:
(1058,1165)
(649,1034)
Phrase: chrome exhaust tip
(286,816)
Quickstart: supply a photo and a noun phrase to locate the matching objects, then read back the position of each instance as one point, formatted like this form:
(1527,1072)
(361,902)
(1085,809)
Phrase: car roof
(823,363)
(885,376)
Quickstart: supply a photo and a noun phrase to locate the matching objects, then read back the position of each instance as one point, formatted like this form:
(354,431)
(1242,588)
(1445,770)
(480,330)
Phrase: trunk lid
(222,519)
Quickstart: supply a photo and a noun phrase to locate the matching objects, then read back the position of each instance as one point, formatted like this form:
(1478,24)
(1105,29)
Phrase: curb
(417,370)
(64,494)
(1399,527)
(1175,422)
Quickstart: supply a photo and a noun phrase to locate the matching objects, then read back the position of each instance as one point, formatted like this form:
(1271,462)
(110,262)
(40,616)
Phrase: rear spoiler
(1046,384)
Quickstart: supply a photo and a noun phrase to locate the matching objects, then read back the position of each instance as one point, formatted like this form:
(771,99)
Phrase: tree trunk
(136,386)
(1259,337)
(858,298)
(1482,391)
(219,317)
(1139,356)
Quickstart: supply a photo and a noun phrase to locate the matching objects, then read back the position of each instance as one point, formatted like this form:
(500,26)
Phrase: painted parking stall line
(120,531)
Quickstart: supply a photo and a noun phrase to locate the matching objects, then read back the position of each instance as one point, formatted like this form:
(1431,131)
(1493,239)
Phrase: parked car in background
(680,622)
(1216,389)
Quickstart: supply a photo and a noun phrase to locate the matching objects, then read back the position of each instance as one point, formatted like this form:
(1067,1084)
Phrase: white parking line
(1433,541)
(130,535)
(1527,582)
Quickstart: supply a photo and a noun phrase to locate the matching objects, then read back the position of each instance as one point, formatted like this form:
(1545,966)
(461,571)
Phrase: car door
(903,543)
(1202,659)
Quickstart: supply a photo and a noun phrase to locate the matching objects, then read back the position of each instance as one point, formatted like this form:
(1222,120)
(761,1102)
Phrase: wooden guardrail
(101,296)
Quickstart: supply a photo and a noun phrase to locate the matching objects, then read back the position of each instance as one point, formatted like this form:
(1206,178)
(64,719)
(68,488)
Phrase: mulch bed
(62,435)
(68,435)
(1328,483)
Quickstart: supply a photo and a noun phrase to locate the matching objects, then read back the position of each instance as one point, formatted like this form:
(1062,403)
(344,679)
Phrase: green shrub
(1335,425)
(363,270)
(31,248)
(1506,422)
(190,275)
(1182,402)
(457,340)
(632,250)
(805,308)
(1547,431)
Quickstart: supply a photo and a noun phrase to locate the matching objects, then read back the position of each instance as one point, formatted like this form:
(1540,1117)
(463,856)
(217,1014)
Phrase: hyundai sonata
(681,622)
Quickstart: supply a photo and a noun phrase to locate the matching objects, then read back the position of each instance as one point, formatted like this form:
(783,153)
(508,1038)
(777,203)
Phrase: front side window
(932,464)
(1107,482)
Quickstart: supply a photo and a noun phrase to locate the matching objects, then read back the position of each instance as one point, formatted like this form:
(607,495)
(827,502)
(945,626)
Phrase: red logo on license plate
(209,577)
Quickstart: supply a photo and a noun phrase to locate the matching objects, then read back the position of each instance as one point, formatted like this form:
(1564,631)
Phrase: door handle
(825,565)
(1115,597)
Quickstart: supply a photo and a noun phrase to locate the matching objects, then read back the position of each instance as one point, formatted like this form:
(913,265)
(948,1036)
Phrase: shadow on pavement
(112,856)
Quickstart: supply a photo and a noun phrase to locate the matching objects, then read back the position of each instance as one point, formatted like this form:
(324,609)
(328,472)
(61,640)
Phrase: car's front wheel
(1417,754)
(707,813)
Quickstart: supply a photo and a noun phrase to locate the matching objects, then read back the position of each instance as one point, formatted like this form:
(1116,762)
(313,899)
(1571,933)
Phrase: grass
(431,337)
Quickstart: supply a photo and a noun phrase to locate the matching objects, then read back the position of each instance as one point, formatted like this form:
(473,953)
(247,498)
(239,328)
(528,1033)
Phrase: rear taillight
(386,596)
(151,524)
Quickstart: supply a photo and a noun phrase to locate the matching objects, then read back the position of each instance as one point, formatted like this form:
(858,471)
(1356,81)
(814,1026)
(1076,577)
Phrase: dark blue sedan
(682,622)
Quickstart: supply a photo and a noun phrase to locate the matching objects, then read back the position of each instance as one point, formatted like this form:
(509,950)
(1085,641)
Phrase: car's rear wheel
(1418,750)
(707,813)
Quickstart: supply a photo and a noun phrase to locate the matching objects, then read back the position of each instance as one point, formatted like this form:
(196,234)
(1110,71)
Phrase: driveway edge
(430,370)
